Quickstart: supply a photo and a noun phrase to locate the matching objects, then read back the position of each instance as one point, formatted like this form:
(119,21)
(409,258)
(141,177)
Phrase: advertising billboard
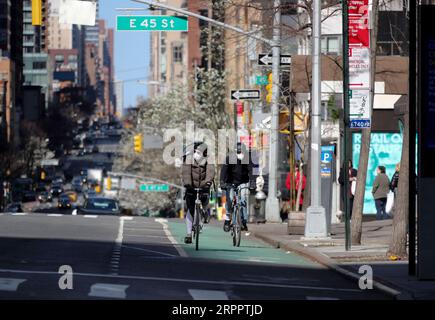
(385,150)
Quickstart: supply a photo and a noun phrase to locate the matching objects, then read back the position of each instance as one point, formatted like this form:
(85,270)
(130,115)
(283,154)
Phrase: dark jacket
(236,173)
(381,186)
(353,174)
(394,181)
(198,175)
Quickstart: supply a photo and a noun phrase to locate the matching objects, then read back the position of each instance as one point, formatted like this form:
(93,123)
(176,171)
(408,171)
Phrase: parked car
(45,197)
(64,202)
(13,208)
(99,206)
(56,190)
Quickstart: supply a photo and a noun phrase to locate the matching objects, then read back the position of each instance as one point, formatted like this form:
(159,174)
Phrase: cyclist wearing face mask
(197,173)
(234,173)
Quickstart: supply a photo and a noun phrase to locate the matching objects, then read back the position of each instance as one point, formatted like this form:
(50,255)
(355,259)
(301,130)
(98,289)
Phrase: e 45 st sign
(151,23)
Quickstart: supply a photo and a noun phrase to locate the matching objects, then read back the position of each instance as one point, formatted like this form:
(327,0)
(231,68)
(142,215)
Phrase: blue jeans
(380,208)
(230,194)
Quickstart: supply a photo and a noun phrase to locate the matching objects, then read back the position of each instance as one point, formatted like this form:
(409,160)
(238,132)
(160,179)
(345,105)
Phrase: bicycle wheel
(239,228)
(196,225)
(236,228)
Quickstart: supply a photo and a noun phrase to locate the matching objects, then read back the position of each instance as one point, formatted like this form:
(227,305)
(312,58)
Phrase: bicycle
(236,217)
(198,218)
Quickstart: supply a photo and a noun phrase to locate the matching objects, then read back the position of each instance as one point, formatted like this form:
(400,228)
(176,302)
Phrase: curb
(315,256)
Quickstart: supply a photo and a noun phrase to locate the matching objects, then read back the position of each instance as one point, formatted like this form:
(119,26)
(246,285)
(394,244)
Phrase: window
(331,45)
(39,65)
(177,53)
(59,58)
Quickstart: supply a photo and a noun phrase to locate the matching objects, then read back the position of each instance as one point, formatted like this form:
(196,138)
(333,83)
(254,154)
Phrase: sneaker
(188,239)
(227,225)
(244,226)
(206,217)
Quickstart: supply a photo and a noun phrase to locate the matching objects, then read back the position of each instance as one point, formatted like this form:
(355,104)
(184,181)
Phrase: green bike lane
(214,243)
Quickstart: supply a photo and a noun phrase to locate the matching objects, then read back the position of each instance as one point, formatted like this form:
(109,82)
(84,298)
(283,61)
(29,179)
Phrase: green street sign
(261,80)
(151,23)
(154,188)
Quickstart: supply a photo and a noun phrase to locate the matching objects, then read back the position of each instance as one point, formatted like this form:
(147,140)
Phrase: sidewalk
(389,276)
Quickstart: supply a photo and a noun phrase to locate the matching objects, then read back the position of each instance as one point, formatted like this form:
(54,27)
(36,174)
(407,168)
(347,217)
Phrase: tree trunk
(358,204)
(399,237)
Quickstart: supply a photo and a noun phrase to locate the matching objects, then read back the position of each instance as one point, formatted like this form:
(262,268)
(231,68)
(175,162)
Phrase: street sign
(245,94)
(261,80)
(266,59)
(151,23)
(359,108)
(154,188)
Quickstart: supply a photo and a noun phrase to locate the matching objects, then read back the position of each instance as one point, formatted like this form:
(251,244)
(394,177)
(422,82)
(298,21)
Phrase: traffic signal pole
(272,202)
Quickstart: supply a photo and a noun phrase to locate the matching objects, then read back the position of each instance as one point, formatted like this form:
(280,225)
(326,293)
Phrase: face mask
(240,156)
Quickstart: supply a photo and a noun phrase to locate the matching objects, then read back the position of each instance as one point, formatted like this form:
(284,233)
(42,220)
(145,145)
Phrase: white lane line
(90,216)
(2,214)
(107,290)
(20,214)
(151,251)
(208,294)
(180,280)
(145,236)
(174,242)
(116,252)
(127,218)
(54,215)
(10,284)
(321,298)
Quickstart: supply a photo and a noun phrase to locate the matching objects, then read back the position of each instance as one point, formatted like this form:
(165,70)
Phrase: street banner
(359,63)
(77,12)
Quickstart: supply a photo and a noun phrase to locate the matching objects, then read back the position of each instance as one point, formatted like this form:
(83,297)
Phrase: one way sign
(245,94)
(266,60)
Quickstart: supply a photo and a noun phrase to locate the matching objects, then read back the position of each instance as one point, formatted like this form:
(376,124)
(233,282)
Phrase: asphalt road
(142,258)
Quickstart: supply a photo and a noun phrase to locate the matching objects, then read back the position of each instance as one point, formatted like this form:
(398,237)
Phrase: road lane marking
(208,294)
(10,284)
(127,218)
(116,252)
(151,251)
(214,282)
(20,214)
(54,215)
(90,216)
(145,236)
(108,290)
(174,242)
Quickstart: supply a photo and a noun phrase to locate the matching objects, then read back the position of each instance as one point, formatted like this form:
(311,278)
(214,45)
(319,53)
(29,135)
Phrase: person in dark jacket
(197,173)
(394,184)
(353,173)
(234,173)
(381,187)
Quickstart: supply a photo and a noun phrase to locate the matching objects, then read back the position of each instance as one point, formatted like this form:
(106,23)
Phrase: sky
(131,50)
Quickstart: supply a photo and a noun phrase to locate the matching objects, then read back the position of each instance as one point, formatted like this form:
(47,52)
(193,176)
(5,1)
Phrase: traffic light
(269,87)
(109,183)
(44,26)
(42,175)
(138,143)
(36,12)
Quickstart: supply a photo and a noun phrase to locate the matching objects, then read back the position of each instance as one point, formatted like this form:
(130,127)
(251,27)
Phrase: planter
(296,223)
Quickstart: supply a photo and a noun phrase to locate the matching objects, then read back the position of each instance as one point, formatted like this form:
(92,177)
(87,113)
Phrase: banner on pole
(77,12)
(359,63)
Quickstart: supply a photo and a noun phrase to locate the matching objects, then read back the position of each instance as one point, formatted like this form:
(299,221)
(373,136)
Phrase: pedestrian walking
(353,173)
(381,187)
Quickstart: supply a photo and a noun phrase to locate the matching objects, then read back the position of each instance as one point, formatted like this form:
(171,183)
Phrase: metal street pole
(315,222)
(272,202)
(346,126)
